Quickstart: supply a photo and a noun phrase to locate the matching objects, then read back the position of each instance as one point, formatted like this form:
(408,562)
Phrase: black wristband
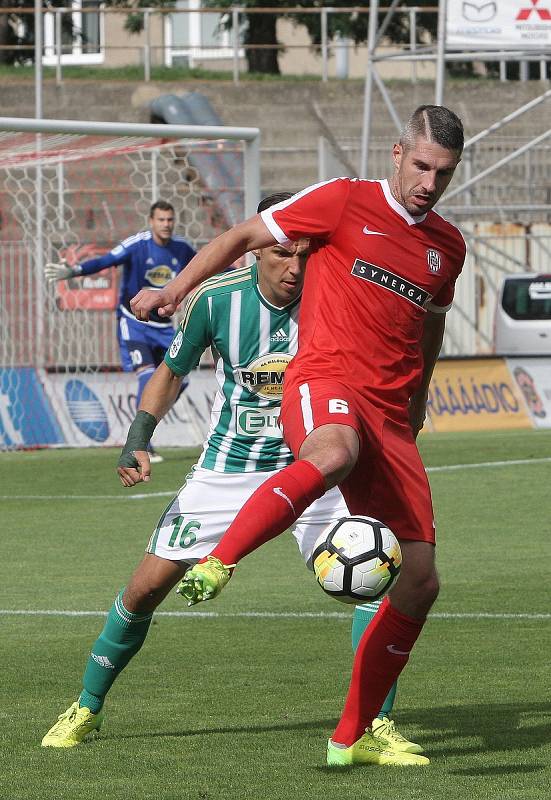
(139,434)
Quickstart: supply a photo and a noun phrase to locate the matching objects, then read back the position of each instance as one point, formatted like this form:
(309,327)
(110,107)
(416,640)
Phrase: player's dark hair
(162,205)
(272,199)
(436,124)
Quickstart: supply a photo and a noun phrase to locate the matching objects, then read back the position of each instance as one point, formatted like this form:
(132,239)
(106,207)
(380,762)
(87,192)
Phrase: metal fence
(493,251)
(213,38)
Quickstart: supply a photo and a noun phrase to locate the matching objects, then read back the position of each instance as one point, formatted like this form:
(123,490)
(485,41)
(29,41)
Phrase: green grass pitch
(235,699)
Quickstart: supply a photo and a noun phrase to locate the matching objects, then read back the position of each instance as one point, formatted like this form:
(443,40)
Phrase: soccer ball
(356,559)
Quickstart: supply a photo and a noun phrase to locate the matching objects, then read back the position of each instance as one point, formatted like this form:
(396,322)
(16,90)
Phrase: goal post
(73,190)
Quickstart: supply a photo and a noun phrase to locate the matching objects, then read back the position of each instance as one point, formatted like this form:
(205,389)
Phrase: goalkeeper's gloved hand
(59,271)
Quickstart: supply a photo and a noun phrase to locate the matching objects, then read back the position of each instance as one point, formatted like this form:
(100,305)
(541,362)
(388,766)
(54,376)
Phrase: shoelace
(390,729)
(67,716)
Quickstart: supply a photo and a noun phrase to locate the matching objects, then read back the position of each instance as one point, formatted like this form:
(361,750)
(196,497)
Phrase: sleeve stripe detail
(267,214)
(222,277)
(273,227)
(438,309)
(230,281)
(137,237)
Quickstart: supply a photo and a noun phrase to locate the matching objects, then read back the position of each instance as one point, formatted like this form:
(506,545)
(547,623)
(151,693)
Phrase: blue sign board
(27,418)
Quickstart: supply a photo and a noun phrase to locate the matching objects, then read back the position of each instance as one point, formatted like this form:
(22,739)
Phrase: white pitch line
(482,464)
(6,612)
(145,495)
(141,496)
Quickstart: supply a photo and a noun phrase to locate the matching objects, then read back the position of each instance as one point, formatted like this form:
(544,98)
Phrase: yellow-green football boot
(371,750)
(204,581)
(384,729)
(72,727)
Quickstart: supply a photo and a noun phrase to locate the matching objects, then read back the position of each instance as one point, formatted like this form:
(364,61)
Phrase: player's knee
(417,588)
(143,598)
(334,455)
(337,465)
(429,588)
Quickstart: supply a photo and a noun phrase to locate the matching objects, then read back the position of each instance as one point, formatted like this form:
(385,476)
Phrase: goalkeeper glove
(60,271)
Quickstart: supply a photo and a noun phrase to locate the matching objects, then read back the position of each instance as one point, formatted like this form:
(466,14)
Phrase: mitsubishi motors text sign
(499,24)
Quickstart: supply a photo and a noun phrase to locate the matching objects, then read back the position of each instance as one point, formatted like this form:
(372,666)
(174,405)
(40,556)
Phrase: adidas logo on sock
(103,661)
(279,336)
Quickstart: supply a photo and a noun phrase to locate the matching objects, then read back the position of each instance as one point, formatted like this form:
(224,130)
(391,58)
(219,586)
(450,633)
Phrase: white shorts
(196,519)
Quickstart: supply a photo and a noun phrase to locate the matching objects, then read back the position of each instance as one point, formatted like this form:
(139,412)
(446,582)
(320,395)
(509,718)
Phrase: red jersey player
(380,278)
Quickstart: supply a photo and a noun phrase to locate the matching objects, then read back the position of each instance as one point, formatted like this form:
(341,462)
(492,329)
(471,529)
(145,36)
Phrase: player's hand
(134,467)
(149,299)
(59,271)
(417,412)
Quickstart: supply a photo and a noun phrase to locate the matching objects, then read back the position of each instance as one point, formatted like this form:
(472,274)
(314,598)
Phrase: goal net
(75,196)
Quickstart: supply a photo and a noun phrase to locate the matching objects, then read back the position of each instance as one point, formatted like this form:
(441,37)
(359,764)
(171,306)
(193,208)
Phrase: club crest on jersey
(389,280)
(159,276)
(433,260)
(264,376)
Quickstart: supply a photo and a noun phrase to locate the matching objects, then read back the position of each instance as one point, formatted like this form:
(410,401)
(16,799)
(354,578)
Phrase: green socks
(121,638)
(361,620)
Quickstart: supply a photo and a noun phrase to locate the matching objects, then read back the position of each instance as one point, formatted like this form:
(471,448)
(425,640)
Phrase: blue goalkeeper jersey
(146,265)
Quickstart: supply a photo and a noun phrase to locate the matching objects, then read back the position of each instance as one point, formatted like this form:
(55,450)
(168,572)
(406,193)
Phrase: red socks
(382,654)
(272,509)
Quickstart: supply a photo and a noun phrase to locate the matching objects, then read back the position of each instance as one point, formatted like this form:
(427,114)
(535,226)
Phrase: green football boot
(384,729)
(204,581)
(72,727)
(371,750)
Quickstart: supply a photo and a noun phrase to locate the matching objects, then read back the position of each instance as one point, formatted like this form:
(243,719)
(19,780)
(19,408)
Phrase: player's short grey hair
(435,124)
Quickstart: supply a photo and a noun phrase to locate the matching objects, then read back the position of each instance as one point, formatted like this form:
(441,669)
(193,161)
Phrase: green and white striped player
(249,317)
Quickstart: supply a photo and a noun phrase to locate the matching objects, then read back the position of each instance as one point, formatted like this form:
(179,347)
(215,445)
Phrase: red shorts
(389,481)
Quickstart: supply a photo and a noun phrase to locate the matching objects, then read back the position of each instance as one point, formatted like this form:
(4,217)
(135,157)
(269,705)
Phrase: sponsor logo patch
(159,276)
(389,280)
(258,422)
(264,376)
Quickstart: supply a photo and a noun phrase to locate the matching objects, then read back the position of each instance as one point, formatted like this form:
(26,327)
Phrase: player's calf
(153,579)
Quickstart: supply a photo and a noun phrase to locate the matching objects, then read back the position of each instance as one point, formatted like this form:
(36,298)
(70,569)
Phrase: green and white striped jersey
(252,343)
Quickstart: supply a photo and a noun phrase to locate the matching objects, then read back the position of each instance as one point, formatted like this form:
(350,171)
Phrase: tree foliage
(134,22)
(260,29)
(17,30)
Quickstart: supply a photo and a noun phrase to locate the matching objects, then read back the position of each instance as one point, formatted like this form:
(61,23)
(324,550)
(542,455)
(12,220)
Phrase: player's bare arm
(431,343)
(159,396)
(213,258)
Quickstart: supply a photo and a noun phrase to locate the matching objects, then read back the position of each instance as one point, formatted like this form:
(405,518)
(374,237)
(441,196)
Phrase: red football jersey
(373,272)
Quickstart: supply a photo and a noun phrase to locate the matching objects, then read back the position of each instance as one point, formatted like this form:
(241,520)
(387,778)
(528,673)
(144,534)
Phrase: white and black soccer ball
(356,559)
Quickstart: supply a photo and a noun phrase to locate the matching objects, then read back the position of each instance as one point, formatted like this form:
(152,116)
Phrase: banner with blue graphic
(96,409)
(27,418)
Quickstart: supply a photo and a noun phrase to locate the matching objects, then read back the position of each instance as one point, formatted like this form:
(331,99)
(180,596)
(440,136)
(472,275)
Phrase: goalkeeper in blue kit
(249,317)
(149,260)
